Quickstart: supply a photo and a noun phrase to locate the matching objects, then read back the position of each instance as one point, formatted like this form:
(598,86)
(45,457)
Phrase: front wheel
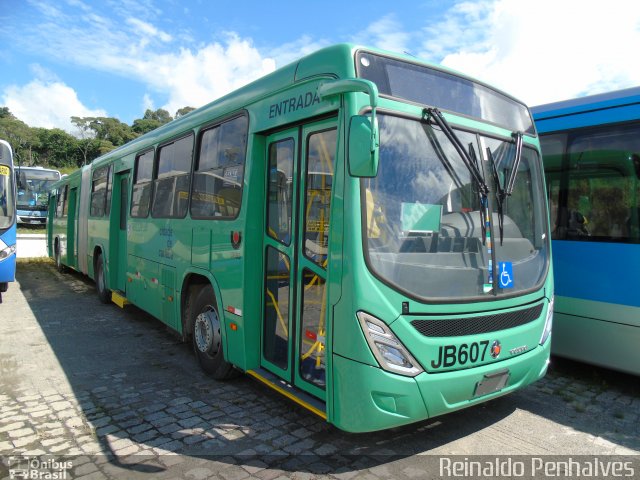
(207,336)
(4,286)
(104,294)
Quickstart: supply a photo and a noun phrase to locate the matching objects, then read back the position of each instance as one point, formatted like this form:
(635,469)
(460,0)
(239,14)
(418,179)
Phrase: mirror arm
(351,85)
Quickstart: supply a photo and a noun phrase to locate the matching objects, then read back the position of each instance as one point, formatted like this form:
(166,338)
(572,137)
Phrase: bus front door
(296,244)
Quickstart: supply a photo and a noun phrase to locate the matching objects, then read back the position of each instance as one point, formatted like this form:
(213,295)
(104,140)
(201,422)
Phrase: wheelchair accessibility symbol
(506,275)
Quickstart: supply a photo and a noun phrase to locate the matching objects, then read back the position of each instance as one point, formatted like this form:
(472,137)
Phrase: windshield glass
(6,197)
(430,86)
(33,186)
(423,225)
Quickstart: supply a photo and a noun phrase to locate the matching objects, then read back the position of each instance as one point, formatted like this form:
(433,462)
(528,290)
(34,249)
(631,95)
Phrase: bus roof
(618,98)
(35,167)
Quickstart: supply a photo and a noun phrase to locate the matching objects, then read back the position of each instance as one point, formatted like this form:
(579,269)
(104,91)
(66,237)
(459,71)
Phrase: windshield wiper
(500,194)
(469,159)
(516,164)
(438,118)
(503,192)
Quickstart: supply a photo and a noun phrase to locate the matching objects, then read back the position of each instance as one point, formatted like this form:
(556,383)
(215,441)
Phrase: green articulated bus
(363,232)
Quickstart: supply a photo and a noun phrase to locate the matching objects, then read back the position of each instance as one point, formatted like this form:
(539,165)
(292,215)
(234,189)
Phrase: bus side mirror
(364,146)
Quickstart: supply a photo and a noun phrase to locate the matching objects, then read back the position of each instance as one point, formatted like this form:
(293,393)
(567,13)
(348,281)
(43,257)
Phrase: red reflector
(310,335)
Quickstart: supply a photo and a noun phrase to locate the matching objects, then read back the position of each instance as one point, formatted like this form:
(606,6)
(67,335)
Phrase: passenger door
(72,226)
(120,208)
(300,167)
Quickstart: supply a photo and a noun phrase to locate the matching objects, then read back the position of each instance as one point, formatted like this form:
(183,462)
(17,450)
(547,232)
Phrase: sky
(117,58)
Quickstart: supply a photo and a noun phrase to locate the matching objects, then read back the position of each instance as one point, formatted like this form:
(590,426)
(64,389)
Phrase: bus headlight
(388,350)
(547,323)
(6,251)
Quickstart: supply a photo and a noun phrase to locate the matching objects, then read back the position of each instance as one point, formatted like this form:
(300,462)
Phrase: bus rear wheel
(58,258)
(101,284)
(207,337)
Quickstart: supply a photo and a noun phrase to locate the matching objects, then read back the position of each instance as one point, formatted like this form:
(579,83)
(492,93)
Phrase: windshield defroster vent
(458,327)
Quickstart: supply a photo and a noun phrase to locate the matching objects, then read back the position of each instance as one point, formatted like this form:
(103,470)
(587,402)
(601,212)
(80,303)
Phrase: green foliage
(94,136)
(56,148)
(181,112)
(151,121)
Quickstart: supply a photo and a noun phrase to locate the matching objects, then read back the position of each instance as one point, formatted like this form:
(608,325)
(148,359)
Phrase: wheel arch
(192,281)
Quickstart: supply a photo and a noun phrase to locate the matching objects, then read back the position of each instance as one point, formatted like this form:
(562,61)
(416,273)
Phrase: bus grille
(459,327)
(32,208)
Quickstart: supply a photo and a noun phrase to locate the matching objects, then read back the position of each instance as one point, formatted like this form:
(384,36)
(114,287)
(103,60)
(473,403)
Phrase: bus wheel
(101,284)
(58,258)
(4,286)
(206,335)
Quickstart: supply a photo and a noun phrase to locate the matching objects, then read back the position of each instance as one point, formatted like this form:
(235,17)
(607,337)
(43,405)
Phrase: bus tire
(104,294)
(206,335)
(58,258)
(4,286)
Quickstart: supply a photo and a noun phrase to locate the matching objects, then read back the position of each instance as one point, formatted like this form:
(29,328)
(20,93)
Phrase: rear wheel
(58,257)
(206,335)
(104,294)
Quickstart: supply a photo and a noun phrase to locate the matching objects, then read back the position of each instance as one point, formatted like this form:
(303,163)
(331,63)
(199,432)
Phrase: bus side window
(141,195)
(219,172)
(99,191)
(171,184)
(61,202)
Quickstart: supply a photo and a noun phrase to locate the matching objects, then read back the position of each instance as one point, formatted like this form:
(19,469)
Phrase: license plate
(491,383)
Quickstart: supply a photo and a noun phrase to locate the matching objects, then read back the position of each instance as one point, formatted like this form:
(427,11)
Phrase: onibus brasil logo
(32,468)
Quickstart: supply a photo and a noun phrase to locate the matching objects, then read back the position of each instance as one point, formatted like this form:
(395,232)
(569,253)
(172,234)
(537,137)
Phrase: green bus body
(329,287)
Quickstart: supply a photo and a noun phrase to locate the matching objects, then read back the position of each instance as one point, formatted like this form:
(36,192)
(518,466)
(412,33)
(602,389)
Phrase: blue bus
(32,193)
(591,150)
(7,219)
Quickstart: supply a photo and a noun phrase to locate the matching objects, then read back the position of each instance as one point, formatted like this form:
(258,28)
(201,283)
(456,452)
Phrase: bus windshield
(429,86)
(33,186)
(6,197)
(423,221)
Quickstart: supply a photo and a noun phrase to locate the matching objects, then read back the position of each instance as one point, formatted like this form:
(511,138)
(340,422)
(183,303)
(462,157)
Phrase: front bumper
(368,398)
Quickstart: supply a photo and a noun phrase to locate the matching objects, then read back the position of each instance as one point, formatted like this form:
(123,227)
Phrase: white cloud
(43,73)
(540,52)
(147,103)
(194,78)
(46,104)
(547,51)
(291,51)
(385,33)
(136,49)
(146,31)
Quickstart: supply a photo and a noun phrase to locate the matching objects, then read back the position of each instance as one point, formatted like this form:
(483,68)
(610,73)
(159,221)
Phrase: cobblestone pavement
(115,394)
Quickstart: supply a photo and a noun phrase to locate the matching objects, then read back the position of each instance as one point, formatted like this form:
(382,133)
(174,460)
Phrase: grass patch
(31,229)
(34,260)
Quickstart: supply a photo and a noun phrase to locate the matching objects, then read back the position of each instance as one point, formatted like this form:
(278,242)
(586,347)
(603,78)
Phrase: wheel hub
(207,332)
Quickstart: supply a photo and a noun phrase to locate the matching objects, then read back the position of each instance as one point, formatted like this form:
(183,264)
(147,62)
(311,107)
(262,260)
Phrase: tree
(151,121)
(183,111)
(19,135)
(87,136)
(57,148)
